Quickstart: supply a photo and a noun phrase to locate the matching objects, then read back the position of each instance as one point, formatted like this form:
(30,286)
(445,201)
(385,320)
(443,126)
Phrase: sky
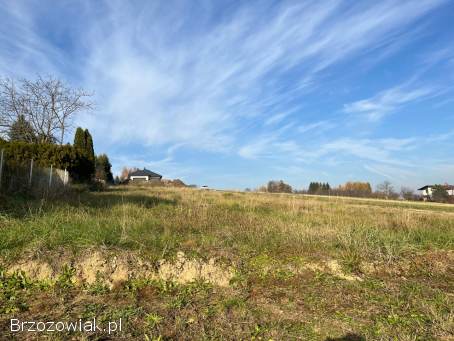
(231,94)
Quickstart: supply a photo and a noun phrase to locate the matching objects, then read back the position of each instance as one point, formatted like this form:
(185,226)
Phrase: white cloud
(318,126)
(276,118)
(390,100)
(379,150)
(173,74)
(166,73)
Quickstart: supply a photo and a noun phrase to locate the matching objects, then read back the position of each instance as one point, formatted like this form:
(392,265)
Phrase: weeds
(65,279)
(279,246)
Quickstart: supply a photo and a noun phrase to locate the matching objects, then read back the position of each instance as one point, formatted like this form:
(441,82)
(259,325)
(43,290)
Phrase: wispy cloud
(194,77)
(204,77)
(319,126)
(389,101)
(380,150)
(276,118)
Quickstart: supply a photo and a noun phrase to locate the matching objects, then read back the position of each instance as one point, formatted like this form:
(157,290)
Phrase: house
(426,191)
(144,175)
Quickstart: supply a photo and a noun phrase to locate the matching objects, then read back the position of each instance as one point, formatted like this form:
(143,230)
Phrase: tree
(126,171)
(10,105)
(84,142)
(21,130)
(124,174)
(359,189)
(386,189)
(439,194)
(89,145)
(313,187)
(320,188)
(103,169)
(278,187)
(79,139)
(261,189)
(407,193)
(47,104)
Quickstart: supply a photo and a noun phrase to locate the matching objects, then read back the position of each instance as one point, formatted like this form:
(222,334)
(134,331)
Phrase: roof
(145,172)
(446,187)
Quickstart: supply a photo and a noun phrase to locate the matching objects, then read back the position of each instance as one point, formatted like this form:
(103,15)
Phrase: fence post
(50,176)
(1,167)
(66,177)
(31,173)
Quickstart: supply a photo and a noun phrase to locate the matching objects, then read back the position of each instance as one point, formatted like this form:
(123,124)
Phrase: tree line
(384,190)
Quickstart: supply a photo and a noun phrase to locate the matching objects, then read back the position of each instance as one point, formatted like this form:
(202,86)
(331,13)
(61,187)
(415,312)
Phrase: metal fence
(26,177)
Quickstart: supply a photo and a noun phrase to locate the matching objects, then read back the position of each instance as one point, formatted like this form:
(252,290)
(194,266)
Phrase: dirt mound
(333,268)
(186,270)
(114,270)
(173,183)
(35,269)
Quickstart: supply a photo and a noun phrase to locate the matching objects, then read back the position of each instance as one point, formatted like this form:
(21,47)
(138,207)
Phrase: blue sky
(231,94)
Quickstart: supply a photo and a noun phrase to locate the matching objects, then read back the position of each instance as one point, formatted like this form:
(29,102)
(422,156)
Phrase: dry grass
(304,267)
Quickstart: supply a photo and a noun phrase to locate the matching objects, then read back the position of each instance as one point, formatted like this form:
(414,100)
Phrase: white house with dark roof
(427,190)
(144,175)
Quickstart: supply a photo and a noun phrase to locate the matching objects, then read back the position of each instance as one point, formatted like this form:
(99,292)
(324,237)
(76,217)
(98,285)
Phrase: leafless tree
(10,104)
(48,104)
(407,193)
(126,171)
(386,190)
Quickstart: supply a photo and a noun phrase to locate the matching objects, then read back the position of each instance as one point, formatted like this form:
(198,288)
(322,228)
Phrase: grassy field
(206,265)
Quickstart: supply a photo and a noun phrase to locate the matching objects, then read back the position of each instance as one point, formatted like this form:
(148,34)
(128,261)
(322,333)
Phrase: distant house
(144,175)
(426,191)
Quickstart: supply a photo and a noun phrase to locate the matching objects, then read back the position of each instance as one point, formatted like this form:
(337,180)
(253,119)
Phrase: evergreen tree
(312,188)
(79,139)
(84,142)
(439,194)
(89,144)
(21,130)
(103,168)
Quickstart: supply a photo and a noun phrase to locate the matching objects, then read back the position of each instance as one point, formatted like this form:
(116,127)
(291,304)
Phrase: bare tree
(386,189)
(10,104)
(126,171)
(407,193)
(47,104)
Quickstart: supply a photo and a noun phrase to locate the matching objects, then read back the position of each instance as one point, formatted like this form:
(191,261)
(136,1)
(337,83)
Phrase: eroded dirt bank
(115,269)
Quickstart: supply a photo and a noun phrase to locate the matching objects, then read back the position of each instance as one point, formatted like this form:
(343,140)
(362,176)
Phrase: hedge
(78,164)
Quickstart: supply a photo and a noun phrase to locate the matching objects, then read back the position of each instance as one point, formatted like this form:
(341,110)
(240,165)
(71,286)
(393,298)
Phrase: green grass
(278,245)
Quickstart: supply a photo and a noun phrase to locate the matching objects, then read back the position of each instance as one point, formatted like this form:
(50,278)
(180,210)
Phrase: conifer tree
(89,145)
(79,138)
(21,130)
(84,142)
(103,168)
